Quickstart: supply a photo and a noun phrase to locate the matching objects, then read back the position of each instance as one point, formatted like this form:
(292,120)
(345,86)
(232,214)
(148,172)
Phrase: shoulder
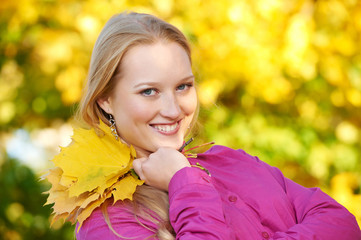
(221,153)
(235,163)
(121,218)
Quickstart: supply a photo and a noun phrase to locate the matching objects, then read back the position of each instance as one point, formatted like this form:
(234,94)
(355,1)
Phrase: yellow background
(278,78)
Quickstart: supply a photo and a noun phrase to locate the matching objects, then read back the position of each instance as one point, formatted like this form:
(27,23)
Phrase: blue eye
(184,86)
(148,92)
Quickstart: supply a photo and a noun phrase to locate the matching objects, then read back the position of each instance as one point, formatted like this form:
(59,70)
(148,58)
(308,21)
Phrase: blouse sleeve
(196,210)
(318,216)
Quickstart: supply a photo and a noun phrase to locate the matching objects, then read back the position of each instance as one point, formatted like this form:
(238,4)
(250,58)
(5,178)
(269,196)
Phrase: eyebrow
(152,83)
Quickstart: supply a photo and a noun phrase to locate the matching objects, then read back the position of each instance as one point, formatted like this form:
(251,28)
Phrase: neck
(141,153)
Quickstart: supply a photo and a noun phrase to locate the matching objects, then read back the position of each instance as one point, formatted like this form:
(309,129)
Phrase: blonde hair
(122,32)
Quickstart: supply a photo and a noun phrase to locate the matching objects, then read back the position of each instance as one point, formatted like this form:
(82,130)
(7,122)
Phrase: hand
(159,167)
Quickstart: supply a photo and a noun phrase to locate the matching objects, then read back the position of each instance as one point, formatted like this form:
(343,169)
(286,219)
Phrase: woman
(141,84)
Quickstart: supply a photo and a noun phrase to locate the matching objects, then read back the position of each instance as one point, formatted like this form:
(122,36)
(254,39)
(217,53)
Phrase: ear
(105,104)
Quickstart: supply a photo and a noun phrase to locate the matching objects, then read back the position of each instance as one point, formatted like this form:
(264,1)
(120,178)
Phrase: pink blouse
(244,198)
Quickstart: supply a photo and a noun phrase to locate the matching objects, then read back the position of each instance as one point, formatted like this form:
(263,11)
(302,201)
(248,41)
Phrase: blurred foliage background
(278,78)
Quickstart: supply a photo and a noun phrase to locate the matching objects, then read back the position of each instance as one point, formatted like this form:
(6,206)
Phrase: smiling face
(154,99)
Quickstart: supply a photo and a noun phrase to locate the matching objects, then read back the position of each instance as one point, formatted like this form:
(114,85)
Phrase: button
(265,235)
(232,198)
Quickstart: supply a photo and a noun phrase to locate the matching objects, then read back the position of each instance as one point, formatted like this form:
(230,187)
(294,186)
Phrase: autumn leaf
(86,212)
(122,189)
(92,169)
(91,159)
(54,177)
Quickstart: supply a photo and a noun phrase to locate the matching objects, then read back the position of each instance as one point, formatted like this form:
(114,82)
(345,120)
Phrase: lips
(166,128)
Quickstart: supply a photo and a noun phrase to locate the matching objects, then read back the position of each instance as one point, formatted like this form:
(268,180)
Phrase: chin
(174,145)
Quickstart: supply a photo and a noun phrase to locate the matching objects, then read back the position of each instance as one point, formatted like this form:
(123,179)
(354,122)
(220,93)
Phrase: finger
(141,159)
(137,166)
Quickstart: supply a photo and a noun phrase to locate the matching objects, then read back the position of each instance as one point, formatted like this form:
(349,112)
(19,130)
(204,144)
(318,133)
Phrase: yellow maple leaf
(83,214)
(89,171)
(124,189)
(54,175)
(109,183)
(91,159)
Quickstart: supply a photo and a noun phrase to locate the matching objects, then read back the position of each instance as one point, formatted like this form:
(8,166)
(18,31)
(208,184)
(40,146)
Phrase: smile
(167,129)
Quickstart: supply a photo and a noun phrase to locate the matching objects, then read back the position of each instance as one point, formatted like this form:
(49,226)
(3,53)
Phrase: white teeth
(166,128)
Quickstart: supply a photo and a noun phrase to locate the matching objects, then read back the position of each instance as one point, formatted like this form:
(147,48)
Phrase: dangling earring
(112,127)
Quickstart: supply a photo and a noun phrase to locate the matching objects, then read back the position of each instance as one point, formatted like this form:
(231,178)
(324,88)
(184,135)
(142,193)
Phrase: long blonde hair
(122,32)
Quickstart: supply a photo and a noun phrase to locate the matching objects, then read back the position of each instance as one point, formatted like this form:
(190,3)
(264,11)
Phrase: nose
(170,107)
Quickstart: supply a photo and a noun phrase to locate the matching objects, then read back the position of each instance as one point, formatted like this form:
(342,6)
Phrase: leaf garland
(89,171)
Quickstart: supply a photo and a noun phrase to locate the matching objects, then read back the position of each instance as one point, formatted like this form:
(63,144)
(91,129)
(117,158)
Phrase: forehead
(155,62)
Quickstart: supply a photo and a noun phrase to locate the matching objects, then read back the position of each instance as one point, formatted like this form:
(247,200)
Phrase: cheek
(136,112)
(189,104)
